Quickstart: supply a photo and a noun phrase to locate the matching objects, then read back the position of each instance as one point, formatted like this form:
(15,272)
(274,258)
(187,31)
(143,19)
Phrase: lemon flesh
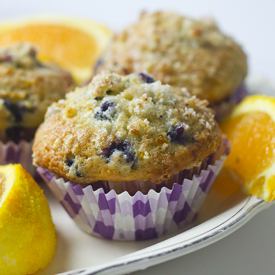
(27,233)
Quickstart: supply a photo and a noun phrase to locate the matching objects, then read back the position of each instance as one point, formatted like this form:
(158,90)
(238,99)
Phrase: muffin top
(179,51)
(122,128)
(28,87)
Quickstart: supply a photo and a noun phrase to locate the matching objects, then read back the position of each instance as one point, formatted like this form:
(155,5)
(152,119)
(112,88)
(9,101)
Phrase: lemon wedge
(27,233)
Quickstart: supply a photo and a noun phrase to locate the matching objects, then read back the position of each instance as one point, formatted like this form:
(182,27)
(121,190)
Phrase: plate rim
(121,265)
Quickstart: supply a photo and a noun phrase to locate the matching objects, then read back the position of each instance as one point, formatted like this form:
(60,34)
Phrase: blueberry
(97,98)
(122,146)
(176,133)
(146,78)
(105,105)
(103,108)
(77,173)
(16,110)
(115,145)
(179,136)
(69,162)
(180,130)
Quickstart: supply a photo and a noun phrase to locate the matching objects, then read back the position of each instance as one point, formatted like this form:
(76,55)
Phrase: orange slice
(73,44)
(27,233)
(251,130)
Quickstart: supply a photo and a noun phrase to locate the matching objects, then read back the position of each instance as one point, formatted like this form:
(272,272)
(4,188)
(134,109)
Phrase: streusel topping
(125,127)
(27,86)
(179,51)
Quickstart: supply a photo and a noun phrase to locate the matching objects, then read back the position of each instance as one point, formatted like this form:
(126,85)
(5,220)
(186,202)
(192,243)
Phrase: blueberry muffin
(179,51)
(121,129)
(27,88)
(128,157)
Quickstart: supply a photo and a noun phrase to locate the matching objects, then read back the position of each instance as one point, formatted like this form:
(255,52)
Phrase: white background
(251,249)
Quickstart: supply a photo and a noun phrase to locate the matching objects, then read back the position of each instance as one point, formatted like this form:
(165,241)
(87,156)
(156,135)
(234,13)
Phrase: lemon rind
(10,175)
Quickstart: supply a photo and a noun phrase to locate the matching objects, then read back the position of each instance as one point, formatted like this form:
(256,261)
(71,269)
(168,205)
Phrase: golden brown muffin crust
(121,129)
(28,87)
(179,51)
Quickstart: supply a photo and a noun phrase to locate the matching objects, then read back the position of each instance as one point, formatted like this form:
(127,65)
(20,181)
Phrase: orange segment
(251,130)
(257,188)
(74,45)
(65,56)
(252,143)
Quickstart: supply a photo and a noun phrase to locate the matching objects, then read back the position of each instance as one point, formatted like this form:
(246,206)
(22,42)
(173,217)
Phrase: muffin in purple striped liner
(104,213)
(148,150)
(27,88)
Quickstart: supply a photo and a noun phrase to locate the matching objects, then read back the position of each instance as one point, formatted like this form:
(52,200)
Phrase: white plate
(225,210)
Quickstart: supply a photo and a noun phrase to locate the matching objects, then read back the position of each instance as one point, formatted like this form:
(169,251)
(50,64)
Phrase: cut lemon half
(73,44)
(27,233)
(251,130)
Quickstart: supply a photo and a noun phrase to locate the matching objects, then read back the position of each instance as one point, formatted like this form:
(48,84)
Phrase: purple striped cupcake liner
(224,107)
(11,152)
(140,216)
